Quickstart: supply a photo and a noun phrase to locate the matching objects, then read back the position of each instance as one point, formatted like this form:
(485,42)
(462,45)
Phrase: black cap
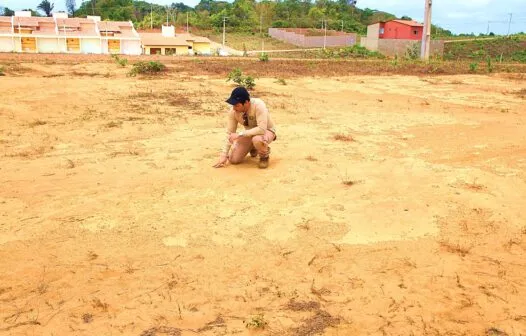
(239,95)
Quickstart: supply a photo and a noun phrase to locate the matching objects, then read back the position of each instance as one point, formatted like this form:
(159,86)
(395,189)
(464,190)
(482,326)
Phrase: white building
(60,34)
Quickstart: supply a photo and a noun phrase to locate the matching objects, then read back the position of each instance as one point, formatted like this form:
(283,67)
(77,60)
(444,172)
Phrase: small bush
(489,64)
(147,68)
(263,57)
(256,322)
(473,67)
(2,71)
(281,81)
(394,62)
(236,75)
(519,56)
(413,52)
(120,61)
(355,51)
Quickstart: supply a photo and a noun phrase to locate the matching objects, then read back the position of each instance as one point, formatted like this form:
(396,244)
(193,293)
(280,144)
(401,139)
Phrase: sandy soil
(393,205)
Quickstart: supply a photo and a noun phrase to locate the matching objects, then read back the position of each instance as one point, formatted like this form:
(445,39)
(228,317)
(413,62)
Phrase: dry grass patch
(256,322)
(31,152)
(113,124)
(169,98)
(521,93)
(86,74)
(98,304)
(163,330)
(495,332)
(316,324)
(37,122)
(349,182)
(456,248)
(303,305)
(473,186)
(87,318)
(343,137)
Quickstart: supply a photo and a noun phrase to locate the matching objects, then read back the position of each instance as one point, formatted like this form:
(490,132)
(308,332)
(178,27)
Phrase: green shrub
(473,67)
(120,61)
(236,75)
(263,57)
(147,68)
(355,51)
(394,62)
(413,52)
(489,64)
(519,56)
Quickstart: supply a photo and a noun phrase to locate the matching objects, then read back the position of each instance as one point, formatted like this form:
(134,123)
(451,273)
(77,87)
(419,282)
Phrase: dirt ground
(393,205)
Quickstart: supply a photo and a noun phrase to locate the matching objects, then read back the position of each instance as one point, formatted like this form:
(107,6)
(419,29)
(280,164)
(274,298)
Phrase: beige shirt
(258,121)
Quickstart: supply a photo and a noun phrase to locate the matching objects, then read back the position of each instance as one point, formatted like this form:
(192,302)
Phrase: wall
(62,45)
(90,46)
(131,47)
(6,44)
(371,44)
(373,31)
(18,45)
(400,47)
(104,47)
(180,50)
(48,45)
(202,48)
(392,47)
(329,41)
(297,38)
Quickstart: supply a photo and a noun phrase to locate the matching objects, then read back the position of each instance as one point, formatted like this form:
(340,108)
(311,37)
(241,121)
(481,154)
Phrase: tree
(46,7)
(405,17)
(181,7)
(71,5)
(7,12)
(116,10)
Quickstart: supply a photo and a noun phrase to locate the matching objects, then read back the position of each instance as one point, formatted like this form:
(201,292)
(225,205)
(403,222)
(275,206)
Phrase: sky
(459,16)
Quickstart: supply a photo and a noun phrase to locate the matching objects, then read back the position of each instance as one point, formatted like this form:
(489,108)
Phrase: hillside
(512,49)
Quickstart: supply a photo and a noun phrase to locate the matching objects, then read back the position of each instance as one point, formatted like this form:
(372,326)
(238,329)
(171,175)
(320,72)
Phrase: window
(155,51)
(415,32)
(382,30)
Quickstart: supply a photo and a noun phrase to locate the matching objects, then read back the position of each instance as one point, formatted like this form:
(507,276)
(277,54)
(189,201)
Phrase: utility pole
(342,25)
(426,37)
(325,34)
(487,31)
(187,30)
(224,25)
(151,16)
(509,24)
(93,7)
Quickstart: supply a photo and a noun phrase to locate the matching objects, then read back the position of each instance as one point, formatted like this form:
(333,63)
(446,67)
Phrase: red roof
(411,23)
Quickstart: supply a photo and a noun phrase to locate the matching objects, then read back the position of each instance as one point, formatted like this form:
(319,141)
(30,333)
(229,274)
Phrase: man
(258,134)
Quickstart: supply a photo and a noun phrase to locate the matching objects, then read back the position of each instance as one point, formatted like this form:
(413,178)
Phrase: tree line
(240,15)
